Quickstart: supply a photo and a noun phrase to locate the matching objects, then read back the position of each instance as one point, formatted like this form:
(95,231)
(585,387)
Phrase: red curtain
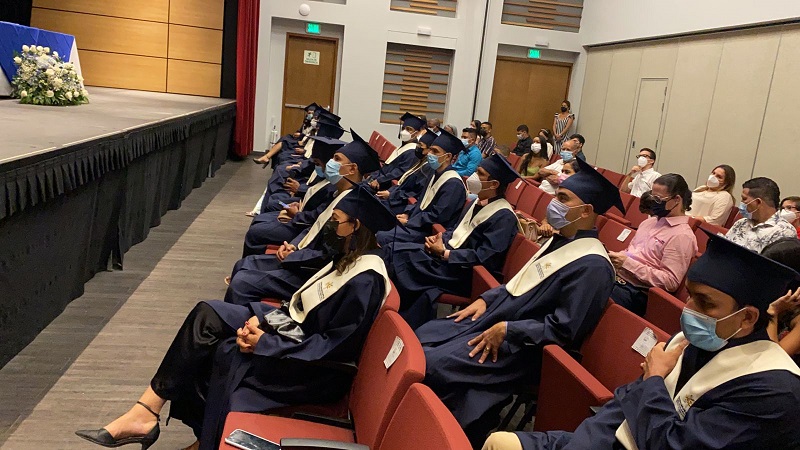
(246,57)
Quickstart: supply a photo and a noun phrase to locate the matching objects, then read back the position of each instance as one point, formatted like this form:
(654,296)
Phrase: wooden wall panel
(197,13)
(188,77)
(153,10)
(415,80)
(124,71)
(561,15)
(195,44)
(108,34)
(443,8)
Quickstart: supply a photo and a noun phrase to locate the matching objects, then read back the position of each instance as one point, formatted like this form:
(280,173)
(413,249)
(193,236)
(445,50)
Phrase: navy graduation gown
(561,310)
(445,208)
(395,169)
(413,186)
(421,278)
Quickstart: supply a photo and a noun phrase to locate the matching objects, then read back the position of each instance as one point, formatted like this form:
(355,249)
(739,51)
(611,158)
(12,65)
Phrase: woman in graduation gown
(719,384)
(216,365)
(486,229)
(413,182)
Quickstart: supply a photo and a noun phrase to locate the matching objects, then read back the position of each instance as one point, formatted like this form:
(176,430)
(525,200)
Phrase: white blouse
(713,206)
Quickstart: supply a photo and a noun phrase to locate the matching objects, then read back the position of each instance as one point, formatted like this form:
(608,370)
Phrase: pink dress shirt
(660,253)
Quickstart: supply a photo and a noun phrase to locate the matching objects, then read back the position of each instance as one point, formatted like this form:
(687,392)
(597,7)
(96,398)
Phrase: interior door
(526,92)
(647,117)
(309,76)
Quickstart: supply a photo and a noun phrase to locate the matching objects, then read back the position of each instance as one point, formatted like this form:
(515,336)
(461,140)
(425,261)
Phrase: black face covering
(563,109)
(660,209)
(482,132)
(332,242)
(418,152)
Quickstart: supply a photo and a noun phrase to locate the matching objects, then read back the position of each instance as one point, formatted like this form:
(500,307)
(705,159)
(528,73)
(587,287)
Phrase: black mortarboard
(499,169)
(593,188)
(325,147)
(359,152)
(329,128)
(364,206)
(448,143)
(325,114)
(428,137)
(748,277)
(410,120)
(311,107)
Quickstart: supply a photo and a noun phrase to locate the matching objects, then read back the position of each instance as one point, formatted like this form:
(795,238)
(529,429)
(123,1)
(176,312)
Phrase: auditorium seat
(373,139)
(627,201)
(514,160)
(694,224)
(514,191)
(530,197)
(614,177)
(614,235)
(682,293)
(664,310)
(702,238)
(633,217)
(374,397)
(733,217)
(568,389)
(540,212)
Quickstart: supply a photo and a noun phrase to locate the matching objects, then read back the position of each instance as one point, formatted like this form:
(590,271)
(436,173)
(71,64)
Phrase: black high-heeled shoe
(104,438)
(263,164)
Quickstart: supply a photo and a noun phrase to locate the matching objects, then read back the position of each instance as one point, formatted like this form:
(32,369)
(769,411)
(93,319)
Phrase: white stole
(309,147)
(313,189)
(321,220)
(469,223)
(433,187)
(412,171)
(399,151)
(539,268)
(327,282)
(729,364)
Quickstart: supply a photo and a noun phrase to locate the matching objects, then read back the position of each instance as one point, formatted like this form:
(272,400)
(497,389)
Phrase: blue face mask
(465,142)
(332,171)
(434,162)
(567,156)
(557,214)
(743,209)
(320,171)
(701,330)
(471,197)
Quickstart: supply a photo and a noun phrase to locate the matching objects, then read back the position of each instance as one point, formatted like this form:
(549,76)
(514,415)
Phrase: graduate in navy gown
(719,384)
(476,358)
(403,157)
(443,200)
(414,181)
(293,138)
(444,263)
(256,358)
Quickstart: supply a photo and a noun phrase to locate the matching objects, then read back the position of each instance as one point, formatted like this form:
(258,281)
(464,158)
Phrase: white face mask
(712,182)
(641,161)
(519,137)
(474,185)
(536,147)
(405,136)
(789,216)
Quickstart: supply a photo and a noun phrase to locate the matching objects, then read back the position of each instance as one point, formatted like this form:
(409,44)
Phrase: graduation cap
(410,120)
(364,206)
(323,113)
(325,147)
(499,169)
(311,107)
(751,279)
(329,128)
(593,188)
(448,143)
(360,153)
(428,137)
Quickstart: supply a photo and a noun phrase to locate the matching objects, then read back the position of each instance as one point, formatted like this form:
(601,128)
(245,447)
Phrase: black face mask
(482,132)
(332,242)
(660,209)
(418,153)
(563,109)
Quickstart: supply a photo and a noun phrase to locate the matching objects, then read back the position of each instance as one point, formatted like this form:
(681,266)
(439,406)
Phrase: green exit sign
(534,53)
(312,28)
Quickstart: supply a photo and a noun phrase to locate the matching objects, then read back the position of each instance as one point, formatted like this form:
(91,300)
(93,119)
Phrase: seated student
(720,384)
(661,251)
(712,202)
(549,174)
(291,139)
(533,160)
(470,157)
(474,365)
(487,143)
(216,365)
(544,230)
(403,157)
(761,224)
(443,264)
(413,182)
(790,213)
(524,141)
(443,199)
(641,176)
(784,313)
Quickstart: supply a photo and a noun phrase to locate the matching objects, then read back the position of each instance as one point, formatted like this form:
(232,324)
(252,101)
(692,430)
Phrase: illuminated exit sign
(312,28)
(534,53)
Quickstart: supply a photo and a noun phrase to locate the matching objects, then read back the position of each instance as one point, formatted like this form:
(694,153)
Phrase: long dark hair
(526,159)
(676,185)
(361,241)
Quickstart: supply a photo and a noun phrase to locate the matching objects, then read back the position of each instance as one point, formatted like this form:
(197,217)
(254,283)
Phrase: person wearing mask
(434,124)
(487,143)
(719,384)
(660,253)
(550,176)
(291,140)
(413,182)
(403,157)
(543,228)
(256,357)
(562,123)
(468,160)
(641,176)
(478,356)
(442,200)
(784,313)
(761,223)
(444,263)
(533,160)
(548,143)
(524,141)
(712,202)
(410,129)
(790,213)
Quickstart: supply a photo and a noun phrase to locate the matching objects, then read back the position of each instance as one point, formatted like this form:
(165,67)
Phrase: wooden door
(309,76)
(526,92)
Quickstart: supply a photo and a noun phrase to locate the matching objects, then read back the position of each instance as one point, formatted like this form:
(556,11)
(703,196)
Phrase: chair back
(521,251)
(633,215)
(702,238)
(513,160)
(611,234)
(627,200)
(392,302)
(614,177)
(529,199)
(664,310)
(733,216)
(540,211)
(373,139)
(514,191)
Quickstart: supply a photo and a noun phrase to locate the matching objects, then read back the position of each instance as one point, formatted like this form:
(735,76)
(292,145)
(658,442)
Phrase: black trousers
(630,297)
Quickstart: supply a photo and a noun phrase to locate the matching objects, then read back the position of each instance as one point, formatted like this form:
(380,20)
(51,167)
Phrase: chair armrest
(438,228)
(412,201)
(324,420)
(482,281)
(312,444)
(618,218)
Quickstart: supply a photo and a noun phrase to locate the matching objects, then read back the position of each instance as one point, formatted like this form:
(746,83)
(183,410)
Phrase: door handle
(291,105)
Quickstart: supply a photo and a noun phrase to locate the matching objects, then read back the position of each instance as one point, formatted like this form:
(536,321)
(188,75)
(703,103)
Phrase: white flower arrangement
(45,79)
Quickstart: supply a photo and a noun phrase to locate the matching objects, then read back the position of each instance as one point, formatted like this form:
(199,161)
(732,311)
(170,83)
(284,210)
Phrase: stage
(80,185)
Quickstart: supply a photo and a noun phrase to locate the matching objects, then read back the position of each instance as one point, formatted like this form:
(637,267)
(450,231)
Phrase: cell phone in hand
(283,205)
(249,441)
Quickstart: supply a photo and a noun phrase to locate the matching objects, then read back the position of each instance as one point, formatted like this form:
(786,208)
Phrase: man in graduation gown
(443,200)
(403,157)
(443,264)
(293,138)
(277,276)
(719,384)
(413,182)
(477,358)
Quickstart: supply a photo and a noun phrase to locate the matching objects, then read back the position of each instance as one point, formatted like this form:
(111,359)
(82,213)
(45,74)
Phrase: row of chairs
(381,145)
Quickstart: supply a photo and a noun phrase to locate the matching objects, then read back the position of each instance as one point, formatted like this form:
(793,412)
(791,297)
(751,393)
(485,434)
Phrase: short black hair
(523,127)
(580,138)
(765,189)
(471,131)
(488,123)
(676,185)
(794,199)
(651,152)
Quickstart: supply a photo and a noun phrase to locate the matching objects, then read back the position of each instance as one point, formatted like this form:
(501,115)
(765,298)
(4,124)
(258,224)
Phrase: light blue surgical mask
(434,162)
(465,142)
(472,197)
(701,330)
(332,171)
(567,155)
(320,171)
(743,209)
(557,214)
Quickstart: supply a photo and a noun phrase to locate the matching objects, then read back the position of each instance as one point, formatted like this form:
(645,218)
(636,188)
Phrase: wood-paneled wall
(443,8)
(561,15)
(415,80)
(153,45)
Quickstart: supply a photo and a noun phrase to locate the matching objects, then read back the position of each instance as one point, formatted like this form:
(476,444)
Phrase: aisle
(153,295)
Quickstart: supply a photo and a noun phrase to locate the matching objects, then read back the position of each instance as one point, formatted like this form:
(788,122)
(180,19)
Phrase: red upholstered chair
(514,160)
(733,217)
(568,389)
(387,149)
(529,199)
(614,177)
(614,212)
(514,191)
(702,238)
(682,293)
(633,217)
(694,223)
(664,310)
(611,235)
(374,398)
(540,212)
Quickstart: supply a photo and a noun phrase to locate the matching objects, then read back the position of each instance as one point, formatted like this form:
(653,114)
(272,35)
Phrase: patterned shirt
(487,146)
(756,236)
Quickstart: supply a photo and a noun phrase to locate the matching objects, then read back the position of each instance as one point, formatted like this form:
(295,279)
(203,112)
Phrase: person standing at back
(761,224)
(641,176)
(562,123)
(524,141)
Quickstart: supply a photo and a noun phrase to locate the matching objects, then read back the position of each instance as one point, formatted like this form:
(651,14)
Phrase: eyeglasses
(645,156)
(658,200)
(791,207)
